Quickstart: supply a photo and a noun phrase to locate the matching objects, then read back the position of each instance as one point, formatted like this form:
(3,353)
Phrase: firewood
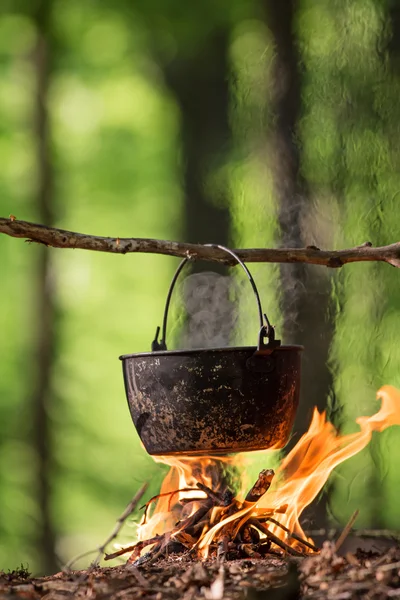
(199,525)
(249,550)
(148,558)
(219,499)
(158,496)
(196,516)
(138,547)
(223,547)
(185,501)
(185,538)
(244,535)
(254,535)
(240,536)
(296,537)
(261,486)
(274,539)
(228,497)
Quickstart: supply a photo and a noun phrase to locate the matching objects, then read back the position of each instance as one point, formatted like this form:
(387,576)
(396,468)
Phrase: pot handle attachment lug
(266,329)
(263,360)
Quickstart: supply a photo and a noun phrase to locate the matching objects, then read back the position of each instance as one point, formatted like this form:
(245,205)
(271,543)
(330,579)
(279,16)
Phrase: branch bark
(60,238)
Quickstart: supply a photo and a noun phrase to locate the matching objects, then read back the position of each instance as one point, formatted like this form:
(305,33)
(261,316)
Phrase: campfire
(199,513)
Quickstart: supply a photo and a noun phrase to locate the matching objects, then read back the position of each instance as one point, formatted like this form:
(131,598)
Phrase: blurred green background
(256,123)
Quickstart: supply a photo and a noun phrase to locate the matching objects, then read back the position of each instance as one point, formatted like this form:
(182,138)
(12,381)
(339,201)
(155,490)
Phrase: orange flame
(299,479)
(185,472)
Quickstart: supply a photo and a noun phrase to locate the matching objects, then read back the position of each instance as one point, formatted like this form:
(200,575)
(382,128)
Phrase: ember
(197,512)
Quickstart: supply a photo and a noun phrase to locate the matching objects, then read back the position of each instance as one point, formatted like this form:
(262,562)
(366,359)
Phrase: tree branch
(59,238)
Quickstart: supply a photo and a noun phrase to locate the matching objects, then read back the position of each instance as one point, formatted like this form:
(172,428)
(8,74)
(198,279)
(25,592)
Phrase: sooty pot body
(213,401)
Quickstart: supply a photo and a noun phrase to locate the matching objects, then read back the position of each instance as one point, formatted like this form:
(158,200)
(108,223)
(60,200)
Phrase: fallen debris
(361,574)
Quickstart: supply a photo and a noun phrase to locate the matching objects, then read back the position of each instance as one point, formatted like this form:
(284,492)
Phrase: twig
(222,548)
(389,567)
(149,558)
(154,498)
(60,238)
(296,537)
(71,562)
(214,496)
(137,546)
(248,550)
(120,522)
(274,539)
(346,530)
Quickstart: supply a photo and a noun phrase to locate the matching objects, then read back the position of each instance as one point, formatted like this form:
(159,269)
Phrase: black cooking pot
(214,401)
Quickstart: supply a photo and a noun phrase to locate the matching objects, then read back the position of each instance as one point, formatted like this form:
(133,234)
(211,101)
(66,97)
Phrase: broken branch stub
(261,486)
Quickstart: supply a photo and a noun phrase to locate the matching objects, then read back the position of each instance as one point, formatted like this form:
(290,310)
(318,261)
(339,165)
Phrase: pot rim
(206,351)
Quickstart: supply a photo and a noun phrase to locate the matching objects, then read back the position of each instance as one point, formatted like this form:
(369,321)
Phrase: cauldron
(217,400)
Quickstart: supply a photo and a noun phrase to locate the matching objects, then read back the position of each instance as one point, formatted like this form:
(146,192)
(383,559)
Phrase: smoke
(208,310)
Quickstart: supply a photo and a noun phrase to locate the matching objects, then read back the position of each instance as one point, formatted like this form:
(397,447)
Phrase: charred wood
(261,486)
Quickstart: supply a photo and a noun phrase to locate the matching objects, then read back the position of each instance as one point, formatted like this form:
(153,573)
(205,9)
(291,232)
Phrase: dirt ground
(358,573)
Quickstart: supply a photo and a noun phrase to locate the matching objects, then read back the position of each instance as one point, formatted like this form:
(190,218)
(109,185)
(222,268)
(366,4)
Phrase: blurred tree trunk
(394,42)
(305,290)
(43,351)
(201,86)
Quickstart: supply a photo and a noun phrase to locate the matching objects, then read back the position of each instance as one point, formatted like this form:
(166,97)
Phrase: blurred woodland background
(243,122)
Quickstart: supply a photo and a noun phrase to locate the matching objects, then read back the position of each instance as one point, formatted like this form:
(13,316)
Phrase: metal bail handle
(266,329)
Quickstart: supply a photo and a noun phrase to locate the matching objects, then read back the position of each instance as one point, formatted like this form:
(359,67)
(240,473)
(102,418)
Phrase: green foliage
(19,573)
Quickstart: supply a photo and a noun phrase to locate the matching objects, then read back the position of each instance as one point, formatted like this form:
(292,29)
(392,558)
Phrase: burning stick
(261,486)
(223,547)
(249,551)
(154,498)
(178,533)
(296,537)
(196,516)
(234,523)
(273,538)
(136,548)
(219,499)
(221,524)
(184,538)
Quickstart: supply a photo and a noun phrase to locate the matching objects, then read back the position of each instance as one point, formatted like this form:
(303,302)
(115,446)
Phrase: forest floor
(359,573)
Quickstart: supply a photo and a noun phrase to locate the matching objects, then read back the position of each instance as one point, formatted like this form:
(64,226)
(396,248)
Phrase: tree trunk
(200,84)
(44,343)
(394,42)
(305,290)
